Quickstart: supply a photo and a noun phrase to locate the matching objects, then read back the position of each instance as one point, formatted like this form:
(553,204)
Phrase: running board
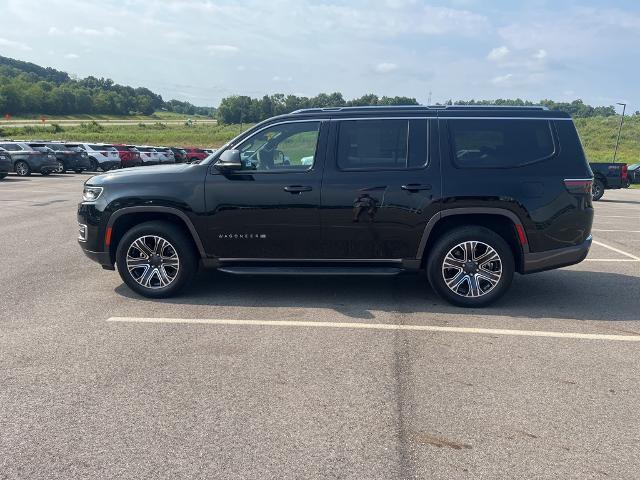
(311,270)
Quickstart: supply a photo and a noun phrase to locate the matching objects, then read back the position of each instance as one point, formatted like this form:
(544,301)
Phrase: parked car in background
(633,173)
(129,155)
(69,157)
(195,154)
(608,176)
(165,155)
(210,150)
(470,195)
(101,156)
(148,155)
(5,163)
(179,154)
(26,160)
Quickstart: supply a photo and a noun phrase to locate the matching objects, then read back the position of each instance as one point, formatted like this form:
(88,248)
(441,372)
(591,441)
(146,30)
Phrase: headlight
(91,194)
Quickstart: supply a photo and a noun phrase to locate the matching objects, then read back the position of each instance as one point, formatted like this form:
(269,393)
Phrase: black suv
(70,157)
(469,194)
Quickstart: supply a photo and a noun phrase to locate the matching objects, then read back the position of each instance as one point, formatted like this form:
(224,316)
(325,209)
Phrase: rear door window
(389,144)
(489,143)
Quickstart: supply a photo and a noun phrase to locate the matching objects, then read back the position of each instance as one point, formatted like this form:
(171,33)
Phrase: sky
(203,50)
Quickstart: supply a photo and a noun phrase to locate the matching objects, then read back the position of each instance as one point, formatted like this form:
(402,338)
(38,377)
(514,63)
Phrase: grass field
(203,135)
(157,116)
(598,134)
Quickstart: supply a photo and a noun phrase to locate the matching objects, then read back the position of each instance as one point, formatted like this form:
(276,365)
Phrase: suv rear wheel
(597,190)
(470,266)
(22,168)
(156,259)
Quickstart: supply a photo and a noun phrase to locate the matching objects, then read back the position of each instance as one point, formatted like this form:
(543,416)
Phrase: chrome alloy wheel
(153,262)
(60,168)
(22,169)
(472,269)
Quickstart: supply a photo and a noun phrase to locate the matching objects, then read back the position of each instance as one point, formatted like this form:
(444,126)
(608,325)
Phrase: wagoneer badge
(234,236)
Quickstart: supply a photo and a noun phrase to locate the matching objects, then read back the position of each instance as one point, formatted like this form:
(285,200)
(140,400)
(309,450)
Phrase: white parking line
(379,326)
(610,260)
(621,231)
(612,216)
(617,250)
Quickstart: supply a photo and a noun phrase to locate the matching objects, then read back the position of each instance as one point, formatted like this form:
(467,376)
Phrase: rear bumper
(109,164)
(6,166)
(561,257)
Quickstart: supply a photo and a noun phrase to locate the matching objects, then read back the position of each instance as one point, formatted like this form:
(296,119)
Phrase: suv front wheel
(470,266)
(156,259)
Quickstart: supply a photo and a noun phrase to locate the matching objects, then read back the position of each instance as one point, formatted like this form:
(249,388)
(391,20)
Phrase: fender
(466,211)
(160,209)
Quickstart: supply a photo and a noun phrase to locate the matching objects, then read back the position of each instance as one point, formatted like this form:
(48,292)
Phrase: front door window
(281,148)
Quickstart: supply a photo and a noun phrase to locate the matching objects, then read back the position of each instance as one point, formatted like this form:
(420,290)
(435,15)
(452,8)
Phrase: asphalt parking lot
(96,382)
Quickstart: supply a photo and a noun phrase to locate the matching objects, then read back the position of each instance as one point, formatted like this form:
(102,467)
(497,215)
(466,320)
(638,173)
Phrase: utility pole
(615,154)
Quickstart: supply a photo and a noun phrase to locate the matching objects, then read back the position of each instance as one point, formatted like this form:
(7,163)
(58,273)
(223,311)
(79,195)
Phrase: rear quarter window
(489,143)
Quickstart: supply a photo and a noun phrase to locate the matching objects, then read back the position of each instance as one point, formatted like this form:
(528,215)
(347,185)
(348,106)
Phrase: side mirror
(229,160)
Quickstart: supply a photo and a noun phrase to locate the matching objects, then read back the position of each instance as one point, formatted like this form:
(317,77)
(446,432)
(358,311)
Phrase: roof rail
(417,107)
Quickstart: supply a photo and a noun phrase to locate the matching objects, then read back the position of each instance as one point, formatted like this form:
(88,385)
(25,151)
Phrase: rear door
(270,208)
(380,187)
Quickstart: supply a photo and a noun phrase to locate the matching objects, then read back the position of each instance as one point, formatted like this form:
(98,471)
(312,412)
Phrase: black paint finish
(353,216)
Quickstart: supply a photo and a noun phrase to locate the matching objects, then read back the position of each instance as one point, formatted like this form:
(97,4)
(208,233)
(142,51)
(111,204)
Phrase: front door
(380,187)
(269,209)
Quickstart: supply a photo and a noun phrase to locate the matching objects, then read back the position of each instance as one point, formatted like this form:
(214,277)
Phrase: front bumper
(558,258)
(103,258)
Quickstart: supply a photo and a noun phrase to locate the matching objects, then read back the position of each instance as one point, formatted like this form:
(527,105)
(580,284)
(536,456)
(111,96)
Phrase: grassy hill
(598,135)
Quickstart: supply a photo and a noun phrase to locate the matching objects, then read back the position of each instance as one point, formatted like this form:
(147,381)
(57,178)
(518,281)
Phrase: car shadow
(14,178)
(561,294)
(620,201)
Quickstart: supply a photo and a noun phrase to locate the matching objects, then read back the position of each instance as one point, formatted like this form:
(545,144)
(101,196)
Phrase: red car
(129,155)
(194,153)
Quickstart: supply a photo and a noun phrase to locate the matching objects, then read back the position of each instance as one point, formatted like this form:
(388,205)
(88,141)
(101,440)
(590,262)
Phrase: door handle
(297,188)
(414,187)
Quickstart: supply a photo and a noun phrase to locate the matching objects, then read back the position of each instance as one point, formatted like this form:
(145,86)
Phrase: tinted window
(10,146)
(284,147)
(382,144)
(500,143)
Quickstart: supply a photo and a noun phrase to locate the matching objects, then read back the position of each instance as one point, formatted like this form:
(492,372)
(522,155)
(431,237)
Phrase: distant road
(115,122)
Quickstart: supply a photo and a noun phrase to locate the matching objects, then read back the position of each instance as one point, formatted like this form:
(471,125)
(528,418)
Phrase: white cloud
(71,56)
(502,79)
(498,53)
(5,42)
(55,31)
(278,78)
(92,32)
(385,67)
(221,49)
(540,54)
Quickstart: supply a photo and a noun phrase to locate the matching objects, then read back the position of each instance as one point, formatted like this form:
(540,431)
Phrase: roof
(433,111)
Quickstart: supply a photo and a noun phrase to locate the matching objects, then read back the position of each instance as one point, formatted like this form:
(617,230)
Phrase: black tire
(597,190)
(487,292)
(61,167)
(94,165)
(22,168)
(179,243)
(78,171)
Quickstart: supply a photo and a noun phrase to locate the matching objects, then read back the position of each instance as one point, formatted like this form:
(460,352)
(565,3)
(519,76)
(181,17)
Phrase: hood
(150,174)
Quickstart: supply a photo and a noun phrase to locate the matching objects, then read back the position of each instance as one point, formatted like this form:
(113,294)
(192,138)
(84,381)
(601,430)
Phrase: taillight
(579,185)
(105,153)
